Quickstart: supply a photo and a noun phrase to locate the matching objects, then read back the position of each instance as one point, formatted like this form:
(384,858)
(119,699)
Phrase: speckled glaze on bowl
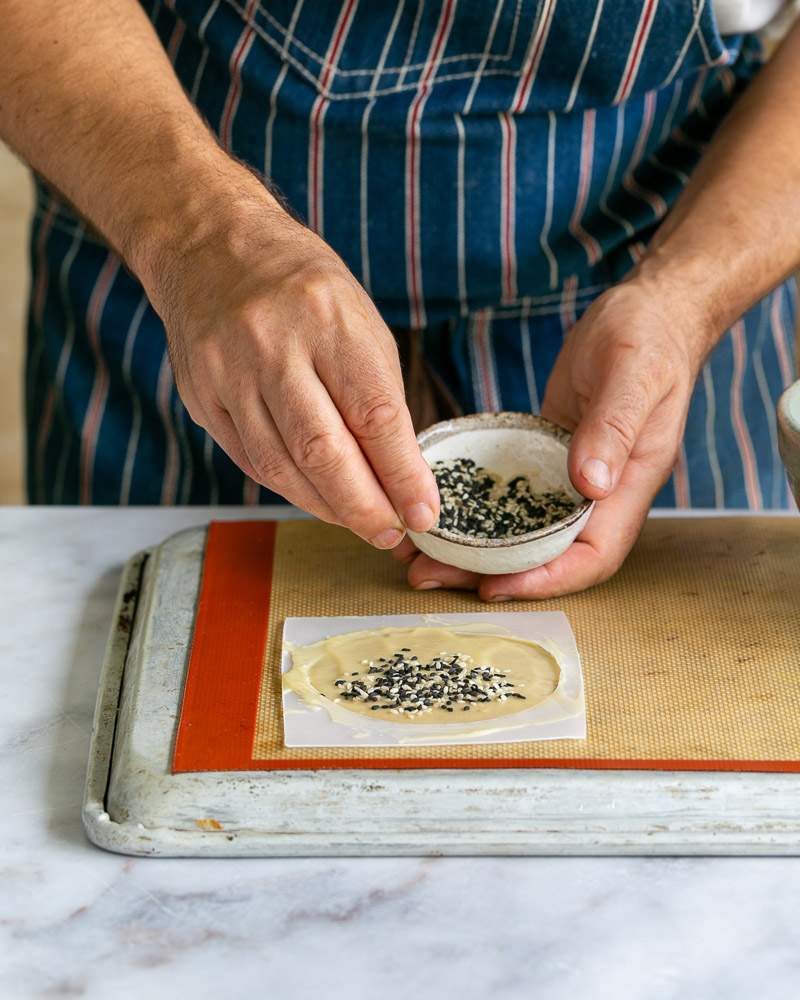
(509,444)
(789,435)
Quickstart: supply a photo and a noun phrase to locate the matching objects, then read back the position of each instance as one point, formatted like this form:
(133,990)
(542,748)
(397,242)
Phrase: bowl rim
(504,420)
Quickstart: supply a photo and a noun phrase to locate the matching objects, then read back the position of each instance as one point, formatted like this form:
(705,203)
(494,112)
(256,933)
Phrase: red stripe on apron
(237,59)
(743,441)
(97,399)
(636,51)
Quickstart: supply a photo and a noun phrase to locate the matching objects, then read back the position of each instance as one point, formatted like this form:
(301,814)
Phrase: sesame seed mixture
(475,502)
(402,684)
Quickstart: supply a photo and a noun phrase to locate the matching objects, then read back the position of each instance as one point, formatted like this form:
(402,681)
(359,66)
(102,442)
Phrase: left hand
(622,383)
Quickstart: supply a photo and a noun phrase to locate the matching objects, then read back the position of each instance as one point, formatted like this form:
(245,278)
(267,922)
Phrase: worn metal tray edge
(631,823)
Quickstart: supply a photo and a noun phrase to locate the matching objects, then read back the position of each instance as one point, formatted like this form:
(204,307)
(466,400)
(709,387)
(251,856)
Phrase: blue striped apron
(485,169)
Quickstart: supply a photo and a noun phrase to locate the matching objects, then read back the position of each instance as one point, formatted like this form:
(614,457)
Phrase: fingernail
(597,472)
(497,598)
(419,517)
(428,585)
(388,539)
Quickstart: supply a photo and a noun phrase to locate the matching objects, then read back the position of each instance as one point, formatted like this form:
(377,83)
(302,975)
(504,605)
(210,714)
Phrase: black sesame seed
(475,503)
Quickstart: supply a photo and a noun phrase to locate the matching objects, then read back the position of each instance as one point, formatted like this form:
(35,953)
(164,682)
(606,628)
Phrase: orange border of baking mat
(217,722)
(220,699)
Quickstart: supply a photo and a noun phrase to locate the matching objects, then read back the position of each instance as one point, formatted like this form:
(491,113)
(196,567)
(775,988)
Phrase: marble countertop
(76,922)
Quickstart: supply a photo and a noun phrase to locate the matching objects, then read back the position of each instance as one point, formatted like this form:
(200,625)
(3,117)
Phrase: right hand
(281,356)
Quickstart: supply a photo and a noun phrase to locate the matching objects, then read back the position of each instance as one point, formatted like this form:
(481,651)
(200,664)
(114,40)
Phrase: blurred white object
(738,16)
(789,434)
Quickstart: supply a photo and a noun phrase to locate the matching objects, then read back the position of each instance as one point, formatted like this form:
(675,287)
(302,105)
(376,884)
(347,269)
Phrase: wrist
(686,294)
(206,206)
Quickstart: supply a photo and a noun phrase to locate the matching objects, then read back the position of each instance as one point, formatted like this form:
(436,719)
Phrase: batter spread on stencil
(424,675)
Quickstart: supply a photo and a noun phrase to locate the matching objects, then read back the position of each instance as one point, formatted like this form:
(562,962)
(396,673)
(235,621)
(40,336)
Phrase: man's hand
(280,354)
(277,350)
(622,382)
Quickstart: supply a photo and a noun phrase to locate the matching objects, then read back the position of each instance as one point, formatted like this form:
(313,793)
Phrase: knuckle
(375,416)
(272,471)
(320,452)
(623,426)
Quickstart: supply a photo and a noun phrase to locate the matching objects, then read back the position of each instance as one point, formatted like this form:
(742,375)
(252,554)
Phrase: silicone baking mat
(691,653)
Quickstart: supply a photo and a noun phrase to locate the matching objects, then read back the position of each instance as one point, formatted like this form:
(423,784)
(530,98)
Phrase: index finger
(373,406)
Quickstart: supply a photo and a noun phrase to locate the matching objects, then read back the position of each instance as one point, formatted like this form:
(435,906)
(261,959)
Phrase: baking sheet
(136,804)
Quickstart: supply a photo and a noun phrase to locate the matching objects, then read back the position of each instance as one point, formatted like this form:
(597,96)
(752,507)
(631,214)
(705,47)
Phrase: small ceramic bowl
(509,444)
(789,435)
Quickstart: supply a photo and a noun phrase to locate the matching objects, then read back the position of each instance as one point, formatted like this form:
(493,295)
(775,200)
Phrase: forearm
(733,234)
(88,97)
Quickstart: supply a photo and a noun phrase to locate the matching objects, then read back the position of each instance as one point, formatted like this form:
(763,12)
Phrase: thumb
(608,430)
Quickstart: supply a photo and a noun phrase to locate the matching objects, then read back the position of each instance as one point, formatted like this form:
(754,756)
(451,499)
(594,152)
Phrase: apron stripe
(238,56)
(508,188)
(533,57)
(508,201)
(201,35)
(273,94)
(316,143)
(629,182)
(461,251)
(413,249)
(489,395)
(636,250)
(619,135)
(568,311)
(549,197)
(461,157)
(680,475)
(779,336)
(666,131)
(672,110)
(741,433)
(169,481)
(251,492)
(476,80)
(527,362)
(588,242)
(97,399)
(687,42)
(573,94)
(42,271)
(366,277)
(767,402)
(711,436)
(783,340)
(38,298)
(636,51)
(136,405)
(412,42)
(697,91)
(187,470)
(211,472)
(175,40)
(59,386)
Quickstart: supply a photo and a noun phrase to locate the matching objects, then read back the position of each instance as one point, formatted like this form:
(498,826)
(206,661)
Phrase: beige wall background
(16,201)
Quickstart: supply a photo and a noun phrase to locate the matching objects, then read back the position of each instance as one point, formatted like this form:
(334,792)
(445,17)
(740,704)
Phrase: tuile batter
(528,670)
